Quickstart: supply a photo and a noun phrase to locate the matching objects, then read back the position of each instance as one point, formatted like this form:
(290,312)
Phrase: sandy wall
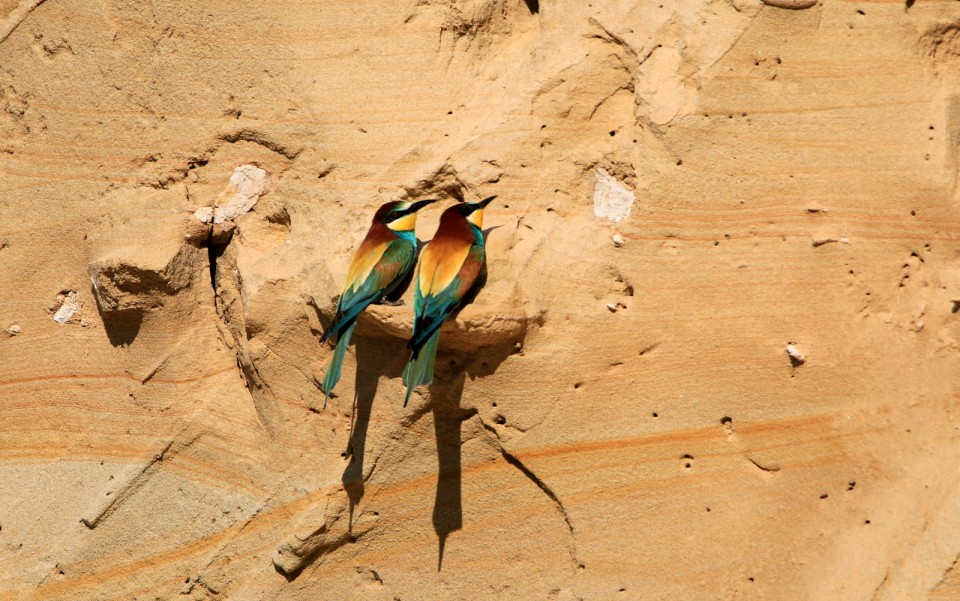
(686,191)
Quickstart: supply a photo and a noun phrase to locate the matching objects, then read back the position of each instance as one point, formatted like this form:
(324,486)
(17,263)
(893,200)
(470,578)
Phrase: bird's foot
(390,303)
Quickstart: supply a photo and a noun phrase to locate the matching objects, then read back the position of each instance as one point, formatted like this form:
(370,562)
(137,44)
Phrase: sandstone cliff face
(716,356)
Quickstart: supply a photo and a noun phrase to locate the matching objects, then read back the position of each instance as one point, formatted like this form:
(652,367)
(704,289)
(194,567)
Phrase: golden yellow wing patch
(440,265)
(367,257)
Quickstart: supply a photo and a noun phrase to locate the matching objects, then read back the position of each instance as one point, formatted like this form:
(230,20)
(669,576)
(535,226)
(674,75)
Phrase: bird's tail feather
(419,369)
(333,373)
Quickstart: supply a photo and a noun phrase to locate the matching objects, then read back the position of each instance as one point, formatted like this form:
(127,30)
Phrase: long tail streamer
(333,374)
(419,369)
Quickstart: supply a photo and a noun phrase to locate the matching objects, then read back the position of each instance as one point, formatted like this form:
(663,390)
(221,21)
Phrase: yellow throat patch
(476,218)
(404,224)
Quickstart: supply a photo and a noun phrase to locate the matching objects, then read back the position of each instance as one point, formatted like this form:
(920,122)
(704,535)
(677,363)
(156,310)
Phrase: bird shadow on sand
(376,357)
(452,371)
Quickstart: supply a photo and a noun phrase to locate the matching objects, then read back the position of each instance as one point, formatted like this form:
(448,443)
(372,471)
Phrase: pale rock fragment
(611,199)
(69,304)
(821,240)
(13,330)
(796,357)
(204,214)
(617,240)
(247,184)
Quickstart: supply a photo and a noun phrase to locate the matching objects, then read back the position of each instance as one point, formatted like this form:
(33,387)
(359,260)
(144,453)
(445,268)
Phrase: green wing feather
(431,311)
(392,267)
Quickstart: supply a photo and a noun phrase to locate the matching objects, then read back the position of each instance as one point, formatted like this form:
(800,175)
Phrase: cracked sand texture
(614,417)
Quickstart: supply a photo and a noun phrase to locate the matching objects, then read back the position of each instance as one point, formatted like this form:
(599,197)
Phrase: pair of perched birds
(449,267)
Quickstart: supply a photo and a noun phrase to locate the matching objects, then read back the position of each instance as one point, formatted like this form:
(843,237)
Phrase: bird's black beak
(483,203)
(416,206)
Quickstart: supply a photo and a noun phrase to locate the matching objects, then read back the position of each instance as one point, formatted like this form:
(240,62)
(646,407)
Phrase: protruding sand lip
(473,328)
(791,4)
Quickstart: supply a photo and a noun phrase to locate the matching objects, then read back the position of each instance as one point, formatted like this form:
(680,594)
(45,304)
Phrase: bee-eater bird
(449,267)
(382,262)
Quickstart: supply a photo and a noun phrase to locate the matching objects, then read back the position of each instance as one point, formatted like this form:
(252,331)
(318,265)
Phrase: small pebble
(617,240)
(14,330)
(795,355)
(69,304)
(612,307)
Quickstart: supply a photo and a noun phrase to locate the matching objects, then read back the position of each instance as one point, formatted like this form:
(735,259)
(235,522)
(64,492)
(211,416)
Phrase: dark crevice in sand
(526,471)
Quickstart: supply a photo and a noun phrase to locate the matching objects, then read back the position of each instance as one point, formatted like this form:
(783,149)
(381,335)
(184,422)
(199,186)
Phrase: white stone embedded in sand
(69,305)
(795,354)
(247,184)
(611,199)
(204,214)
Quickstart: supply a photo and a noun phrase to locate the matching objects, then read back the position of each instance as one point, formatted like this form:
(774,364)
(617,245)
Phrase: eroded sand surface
(716,356)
